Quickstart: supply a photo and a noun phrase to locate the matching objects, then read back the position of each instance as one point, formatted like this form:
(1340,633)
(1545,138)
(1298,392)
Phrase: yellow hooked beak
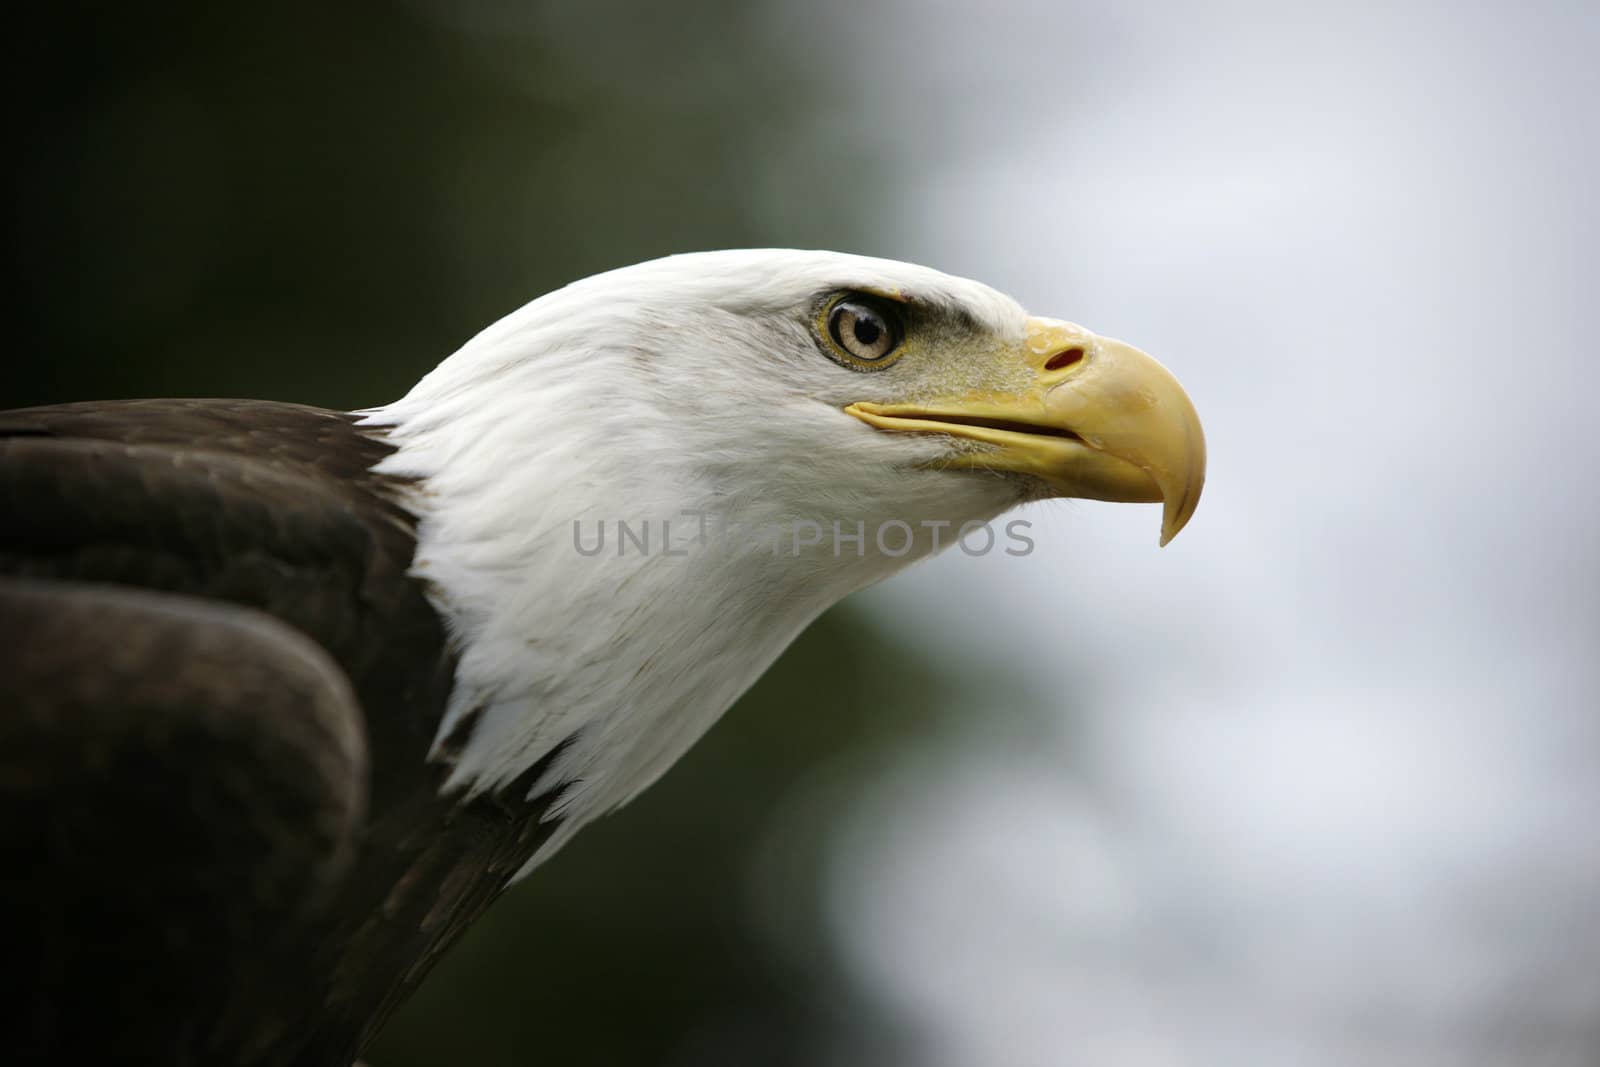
(1098,419)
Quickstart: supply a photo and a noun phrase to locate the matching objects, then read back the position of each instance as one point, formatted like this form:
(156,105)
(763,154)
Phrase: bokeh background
(1317,784)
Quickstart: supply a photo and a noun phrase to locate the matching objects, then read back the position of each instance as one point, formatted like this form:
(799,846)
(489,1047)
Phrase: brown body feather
(222,688)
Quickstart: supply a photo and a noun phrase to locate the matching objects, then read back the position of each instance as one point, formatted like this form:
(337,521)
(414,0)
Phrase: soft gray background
(1328,791)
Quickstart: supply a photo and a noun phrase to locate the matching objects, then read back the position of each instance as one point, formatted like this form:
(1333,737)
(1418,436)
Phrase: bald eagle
(293,694)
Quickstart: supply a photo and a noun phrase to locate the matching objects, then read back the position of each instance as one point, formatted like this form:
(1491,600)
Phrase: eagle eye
(865,328)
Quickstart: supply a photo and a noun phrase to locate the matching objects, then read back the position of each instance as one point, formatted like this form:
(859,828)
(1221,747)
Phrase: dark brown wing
(181,783)
(271,509)
(270,506)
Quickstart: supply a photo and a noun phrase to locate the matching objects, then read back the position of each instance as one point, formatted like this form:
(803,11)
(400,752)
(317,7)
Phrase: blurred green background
(319,202)
(316,203)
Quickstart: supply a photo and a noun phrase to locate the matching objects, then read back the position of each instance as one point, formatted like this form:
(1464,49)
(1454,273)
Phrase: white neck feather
(642,397)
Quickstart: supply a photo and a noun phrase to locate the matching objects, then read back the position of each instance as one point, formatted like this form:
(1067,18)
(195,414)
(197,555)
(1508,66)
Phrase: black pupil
(867,330)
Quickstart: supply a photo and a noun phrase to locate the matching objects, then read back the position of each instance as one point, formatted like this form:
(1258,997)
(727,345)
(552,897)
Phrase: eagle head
(635,491)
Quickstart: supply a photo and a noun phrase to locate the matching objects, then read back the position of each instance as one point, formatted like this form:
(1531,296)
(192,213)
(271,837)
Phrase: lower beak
(1100,420)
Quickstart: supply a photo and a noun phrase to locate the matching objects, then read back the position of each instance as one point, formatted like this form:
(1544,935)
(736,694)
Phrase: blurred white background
(1325,788)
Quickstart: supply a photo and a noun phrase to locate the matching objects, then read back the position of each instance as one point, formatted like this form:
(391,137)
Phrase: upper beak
(1097,419)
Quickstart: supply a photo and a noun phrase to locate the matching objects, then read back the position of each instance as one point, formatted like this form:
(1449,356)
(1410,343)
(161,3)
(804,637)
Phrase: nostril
(1064,359)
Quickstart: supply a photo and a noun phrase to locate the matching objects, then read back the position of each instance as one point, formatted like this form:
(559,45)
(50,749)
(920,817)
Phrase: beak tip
(1176,515)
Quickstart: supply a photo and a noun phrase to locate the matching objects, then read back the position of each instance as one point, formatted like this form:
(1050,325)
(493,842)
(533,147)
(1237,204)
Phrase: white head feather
(692,384)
